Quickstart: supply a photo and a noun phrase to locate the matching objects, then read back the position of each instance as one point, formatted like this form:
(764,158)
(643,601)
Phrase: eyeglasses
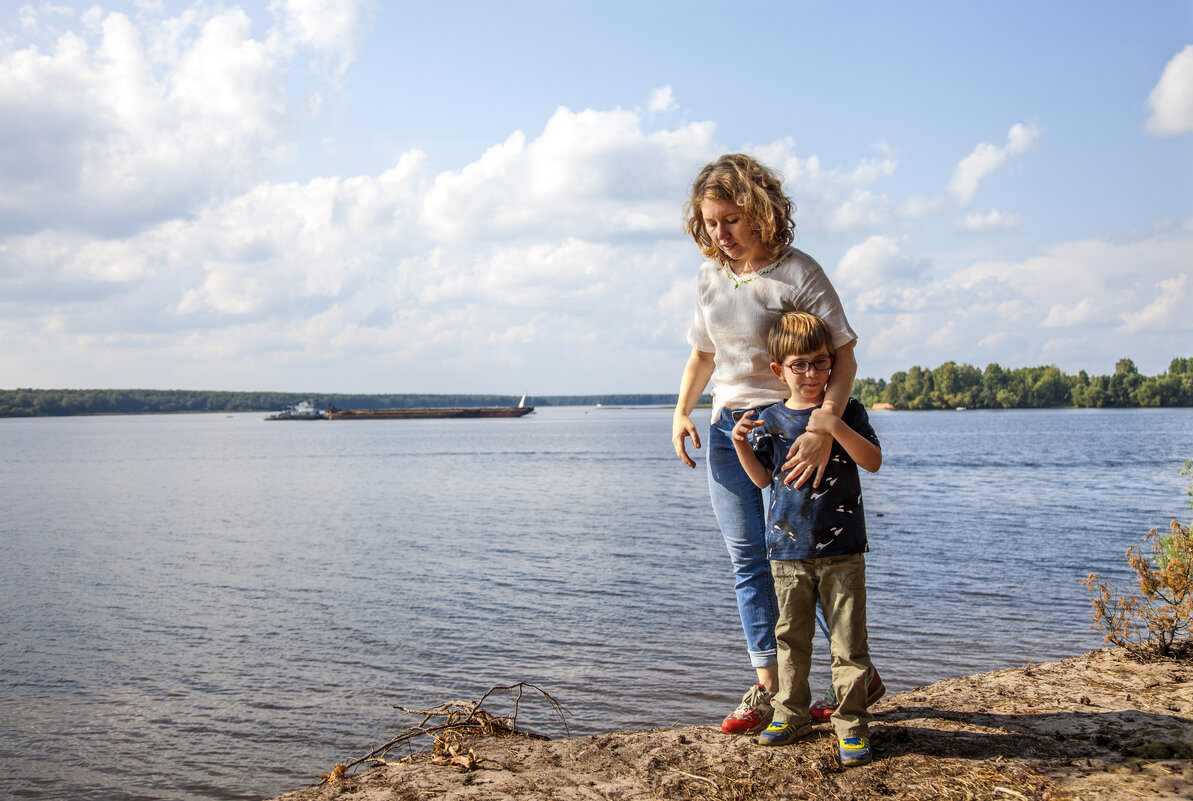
(821,364)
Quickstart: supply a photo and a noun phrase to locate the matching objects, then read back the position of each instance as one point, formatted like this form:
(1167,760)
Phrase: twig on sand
(1009,791)
(694,776)
(460,719)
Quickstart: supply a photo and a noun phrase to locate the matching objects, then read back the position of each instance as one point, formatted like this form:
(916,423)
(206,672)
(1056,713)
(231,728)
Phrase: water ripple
(188,596)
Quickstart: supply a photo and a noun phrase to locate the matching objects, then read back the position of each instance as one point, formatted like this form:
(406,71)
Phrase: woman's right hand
(682,427)
(696,373)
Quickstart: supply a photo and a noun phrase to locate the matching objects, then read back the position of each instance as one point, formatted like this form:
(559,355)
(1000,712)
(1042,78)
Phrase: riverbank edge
(1097,726)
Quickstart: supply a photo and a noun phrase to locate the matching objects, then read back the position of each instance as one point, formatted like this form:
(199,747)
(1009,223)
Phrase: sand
(1097,726)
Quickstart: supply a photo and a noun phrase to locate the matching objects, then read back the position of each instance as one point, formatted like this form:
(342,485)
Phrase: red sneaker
(752,714)
(823,709)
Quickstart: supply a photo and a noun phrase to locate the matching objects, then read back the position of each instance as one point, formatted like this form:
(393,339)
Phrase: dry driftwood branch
(460,719)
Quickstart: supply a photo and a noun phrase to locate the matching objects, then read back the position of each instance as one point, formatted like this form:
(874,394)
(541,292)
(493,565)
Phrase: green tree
(1096,392)
(958,384)
(869,390)
(894,390)
(1123,385)
(1181,366)
(1051,389)
(1125,367)
(994,380)
(1008,399)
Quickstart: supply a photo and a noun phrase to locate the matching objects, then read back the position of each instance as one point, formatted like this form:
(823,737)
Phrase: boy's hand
(741,431)
(822,422)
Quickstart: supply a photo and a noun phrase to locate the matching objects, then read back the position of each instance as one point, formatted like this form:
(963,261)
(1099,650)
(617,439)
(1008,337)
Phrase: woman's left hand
(809,453)
(807,459)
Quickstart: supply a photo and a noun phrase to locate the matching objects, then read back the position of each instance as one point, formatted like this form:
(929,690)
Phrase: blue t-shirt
(810,523)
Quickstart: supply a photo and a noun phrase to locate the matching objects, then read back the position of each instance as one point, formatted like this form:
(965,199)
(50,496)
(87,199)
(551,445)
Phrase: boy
(815,538)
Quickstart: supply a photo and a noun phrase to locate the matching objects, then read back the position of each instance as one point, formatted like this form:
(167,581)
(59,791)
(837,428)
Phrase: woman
(741,220)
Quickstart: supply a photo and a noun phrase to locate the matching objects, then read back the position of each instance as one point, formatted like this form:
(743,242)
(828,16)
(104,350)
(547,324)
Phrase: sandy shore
(1098,726)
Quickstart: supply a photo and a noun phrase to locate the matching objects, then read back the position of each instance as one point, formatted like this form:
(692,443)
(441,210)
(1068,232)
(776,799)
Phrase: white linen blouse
(733,316)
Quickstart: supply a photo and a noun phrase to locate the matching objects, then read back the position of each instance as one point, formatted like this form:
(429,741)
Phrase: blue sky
(318,196)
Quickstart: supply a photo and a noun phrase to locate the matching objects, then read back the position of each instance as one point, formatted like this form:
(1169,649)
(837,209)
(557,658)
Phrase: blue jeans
(740,508)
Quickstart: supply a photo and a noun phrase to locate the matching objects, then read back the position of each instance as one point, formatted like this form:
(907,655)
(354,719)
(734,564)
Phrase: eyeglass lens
(823,363)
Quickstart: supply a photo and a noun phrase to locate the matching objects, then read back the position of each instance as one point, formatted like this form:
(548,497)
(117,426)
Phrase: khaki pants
(840,584)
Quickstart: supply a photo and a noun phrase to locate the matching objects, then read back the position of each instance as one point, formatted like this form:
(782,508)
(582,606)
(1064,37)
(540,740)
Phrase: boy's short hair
(798,332)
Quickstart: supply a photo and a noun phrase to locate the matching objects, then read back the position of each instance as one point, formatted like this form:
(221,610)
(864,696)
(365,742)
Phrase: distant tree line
(60,402)
(946,387)
(953,385)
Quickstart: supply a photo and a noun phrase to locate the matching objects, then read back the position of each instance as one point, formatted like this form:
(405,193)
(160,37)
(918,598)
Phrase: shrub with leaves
(1161,612)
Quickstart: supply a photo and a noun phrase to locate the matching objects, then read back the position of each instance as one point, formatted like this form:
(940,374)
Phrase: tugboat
(306,410)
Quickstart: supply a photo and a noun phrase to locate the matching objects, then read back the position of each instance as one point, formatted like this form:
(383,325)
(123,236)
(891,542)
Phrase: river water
(216,607)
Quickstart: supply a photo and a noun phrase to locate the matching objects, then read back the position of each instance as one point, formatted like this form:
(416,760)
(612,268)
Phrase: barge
(426,413)
(308,410)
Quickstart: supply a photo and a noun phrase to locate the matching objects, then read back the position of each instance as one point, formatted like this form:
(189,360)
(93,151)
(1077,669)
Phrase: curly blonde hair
(755,189)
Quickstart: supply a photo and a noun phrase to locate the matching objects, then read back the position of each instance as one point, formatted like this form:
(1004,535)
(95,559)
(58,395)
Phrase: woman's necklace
(755,276)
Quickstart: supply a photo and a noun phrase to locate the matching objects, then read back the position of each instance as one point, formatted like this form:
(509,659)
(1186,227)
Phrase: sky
(345,196)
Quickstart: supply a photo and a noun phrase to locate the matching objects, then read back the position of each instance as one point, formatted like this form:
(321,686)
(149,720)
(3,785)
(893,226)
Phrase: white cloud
(305,274)
(133,120)
(876,262)
(863,209)
(330,27)
(1135,294)
(804,175)
(677,302)
(27,14)
(898,340)
(869,170)
(1095,285)
(289,247)
(985,158)
(884,147)
(839,199)
(661,100)
(138,239)
(589,174)
(1171,101)
(1084,312)
(993,220)
(539,276)
(1172,309)
(920,206)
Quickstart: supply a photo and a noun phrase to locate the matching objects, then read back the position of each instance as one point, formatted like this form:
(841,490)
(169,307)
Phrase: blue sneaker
(783,733)
(855,751)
